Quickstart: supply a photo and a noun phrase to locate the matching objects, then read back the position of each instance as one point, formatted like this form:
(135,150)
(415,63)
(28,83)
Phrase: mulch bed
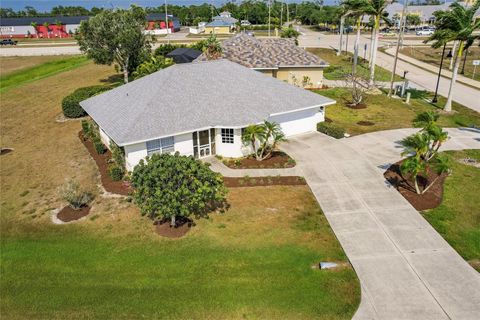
(165,230)
(102,161)
(68,214)
(231,182)
(404,184)
(277,160)
(365,123)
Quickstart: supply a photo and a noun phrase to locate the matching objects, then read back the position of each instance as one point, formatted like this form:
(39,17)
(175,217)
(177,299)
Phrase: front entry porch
(203,143)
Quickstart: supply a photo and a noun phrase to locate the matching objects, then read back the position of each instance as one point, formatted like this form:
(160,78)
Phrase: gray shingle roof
(256,53)
(186,97)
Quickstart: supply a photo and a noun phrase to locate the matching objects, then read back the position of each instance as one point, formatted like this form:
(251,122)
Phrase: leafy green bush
(98,145)
(331,130)
(86,128)
(115,172)
(173,186)
(166,48)
(118,155)
(71,104)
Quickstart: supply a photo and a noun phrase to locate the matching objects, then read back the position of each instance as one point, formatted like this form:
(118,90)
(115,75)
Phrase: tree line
(255,11)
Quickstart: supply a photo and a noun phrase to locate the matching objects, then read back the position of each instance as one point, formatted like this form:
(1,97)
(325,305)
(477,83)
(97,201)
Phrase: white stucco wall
(299,122)
(104,138)
(293,123)
(230,150)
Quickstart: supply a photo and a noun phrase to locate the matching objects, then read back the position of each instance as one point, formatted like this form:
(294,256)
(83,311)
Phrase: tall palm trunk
(355,50)
(374,52)
(340,44)
(453,54)
(448,105)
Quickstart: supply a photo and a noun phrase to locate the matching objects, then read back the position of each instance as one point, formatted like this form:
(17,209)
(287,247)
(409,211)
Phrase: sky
(46,5)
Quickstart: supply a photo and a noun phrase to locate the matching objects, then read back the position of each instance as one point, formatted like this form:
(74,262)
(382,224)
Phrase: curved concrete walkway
(406,269)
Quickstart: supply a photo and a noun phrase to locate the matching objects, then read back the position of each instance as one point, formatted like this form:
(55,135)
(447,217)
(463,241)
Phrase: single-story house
(184,55)
(278,58)
(200,109)
(222,24)
(63,27)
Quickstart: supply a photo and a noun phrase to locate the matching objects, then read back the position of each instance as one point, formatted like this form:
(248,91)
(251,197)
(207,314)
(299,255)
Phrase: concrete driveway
(406,269)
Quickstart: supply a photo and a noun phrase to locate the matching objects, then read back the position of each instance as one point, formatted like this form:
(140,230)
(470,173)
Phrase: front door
(203,143)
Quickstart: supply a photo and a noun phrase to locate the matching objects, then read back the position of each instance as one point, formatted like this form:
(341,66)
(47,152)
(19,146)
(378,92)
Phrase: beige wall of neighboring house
(292,74)
(296,74)
(217,30)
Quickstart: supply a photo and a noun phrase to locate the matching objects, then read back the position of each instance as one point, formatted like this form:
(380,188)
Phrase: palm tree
(46,25)
(414,167)
(35,25)
(426,119)
(212,48)
(59,27)
(253,135)
(274,133)
(377,10)
(357,9)
(457,24)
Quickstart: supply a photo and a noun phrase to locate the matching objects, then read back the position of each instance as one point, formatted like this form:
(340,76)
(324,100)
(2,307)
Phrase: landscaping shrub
(99,146)
(331,130)
(76,197)
(118,155)
(71,104)
(86,128)
(115,172)
(166,48)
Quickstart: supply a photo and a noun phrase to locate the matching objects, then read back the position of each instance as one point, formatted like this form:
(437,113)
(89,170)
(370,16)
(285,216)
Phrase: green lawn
(342,65)
(457,219)
(46,69)
(252,262)
(388,113)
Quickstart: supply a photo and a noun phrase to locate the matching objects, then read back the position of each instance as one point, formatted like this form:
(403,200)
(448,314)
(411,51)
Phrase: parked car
(245,23)
(425,32)
(6,42)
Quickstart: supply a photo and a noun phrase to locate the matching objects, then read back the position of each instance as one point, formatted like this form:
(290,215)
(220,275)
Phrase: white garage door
(298,122)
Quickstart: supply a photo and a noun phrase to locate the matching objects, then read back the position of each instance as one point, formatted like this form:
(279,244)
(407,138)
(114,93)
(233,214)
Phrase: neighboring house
(279,58)
(184,55)
(200,109)
(222,24)
(62,27)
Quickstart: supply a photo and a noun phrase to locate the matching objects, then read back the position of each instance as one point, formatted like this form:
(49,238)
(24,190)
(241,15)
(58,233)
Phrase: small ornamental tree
(168,187)
(212,48)
(422,148)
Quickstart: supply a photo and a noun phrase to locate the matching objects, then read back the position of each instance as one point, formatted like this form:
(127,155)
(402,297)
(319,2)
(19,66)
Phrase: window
(227,135)
(164,145)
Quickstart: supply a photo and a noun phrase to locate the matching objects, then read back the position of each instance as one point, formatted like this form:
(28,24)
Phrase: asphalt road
(463,94)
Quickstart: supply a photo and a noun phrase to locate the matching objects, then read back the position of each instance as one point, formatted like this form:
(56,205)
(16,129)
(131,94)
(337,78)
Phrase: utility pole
(281,14)
(288,14)
(269,7)
(340,45)
(400,36)
(166,20)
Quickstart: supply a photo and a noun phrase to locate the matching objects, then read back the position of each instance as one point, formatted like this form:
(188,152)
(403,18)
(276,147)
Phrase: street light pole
(434,100)
(400,36)
(269,9)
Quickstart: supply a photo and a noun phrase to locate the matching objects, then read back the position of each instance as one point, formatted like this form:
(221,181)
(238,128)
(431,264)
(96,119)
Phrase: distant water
(47,5)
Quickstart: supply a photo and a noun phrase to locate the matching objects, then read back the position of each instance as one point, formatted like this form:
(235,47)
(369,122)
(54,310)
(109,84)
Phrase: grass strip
(44,70)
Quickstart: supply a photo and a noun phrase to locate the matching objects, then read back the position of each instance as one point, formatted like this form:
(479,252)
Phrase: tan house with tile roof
(279,58)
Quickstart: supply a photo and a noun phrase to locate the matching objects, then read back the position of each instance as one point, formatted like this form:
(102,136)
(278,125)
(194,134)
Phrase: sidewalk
(217,166)
(434,69)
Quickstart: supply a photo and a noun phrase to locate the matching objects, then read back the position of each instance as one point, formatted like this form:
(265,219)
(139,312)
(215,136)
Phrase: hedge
(331,130)
(71,103)
(115,172)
